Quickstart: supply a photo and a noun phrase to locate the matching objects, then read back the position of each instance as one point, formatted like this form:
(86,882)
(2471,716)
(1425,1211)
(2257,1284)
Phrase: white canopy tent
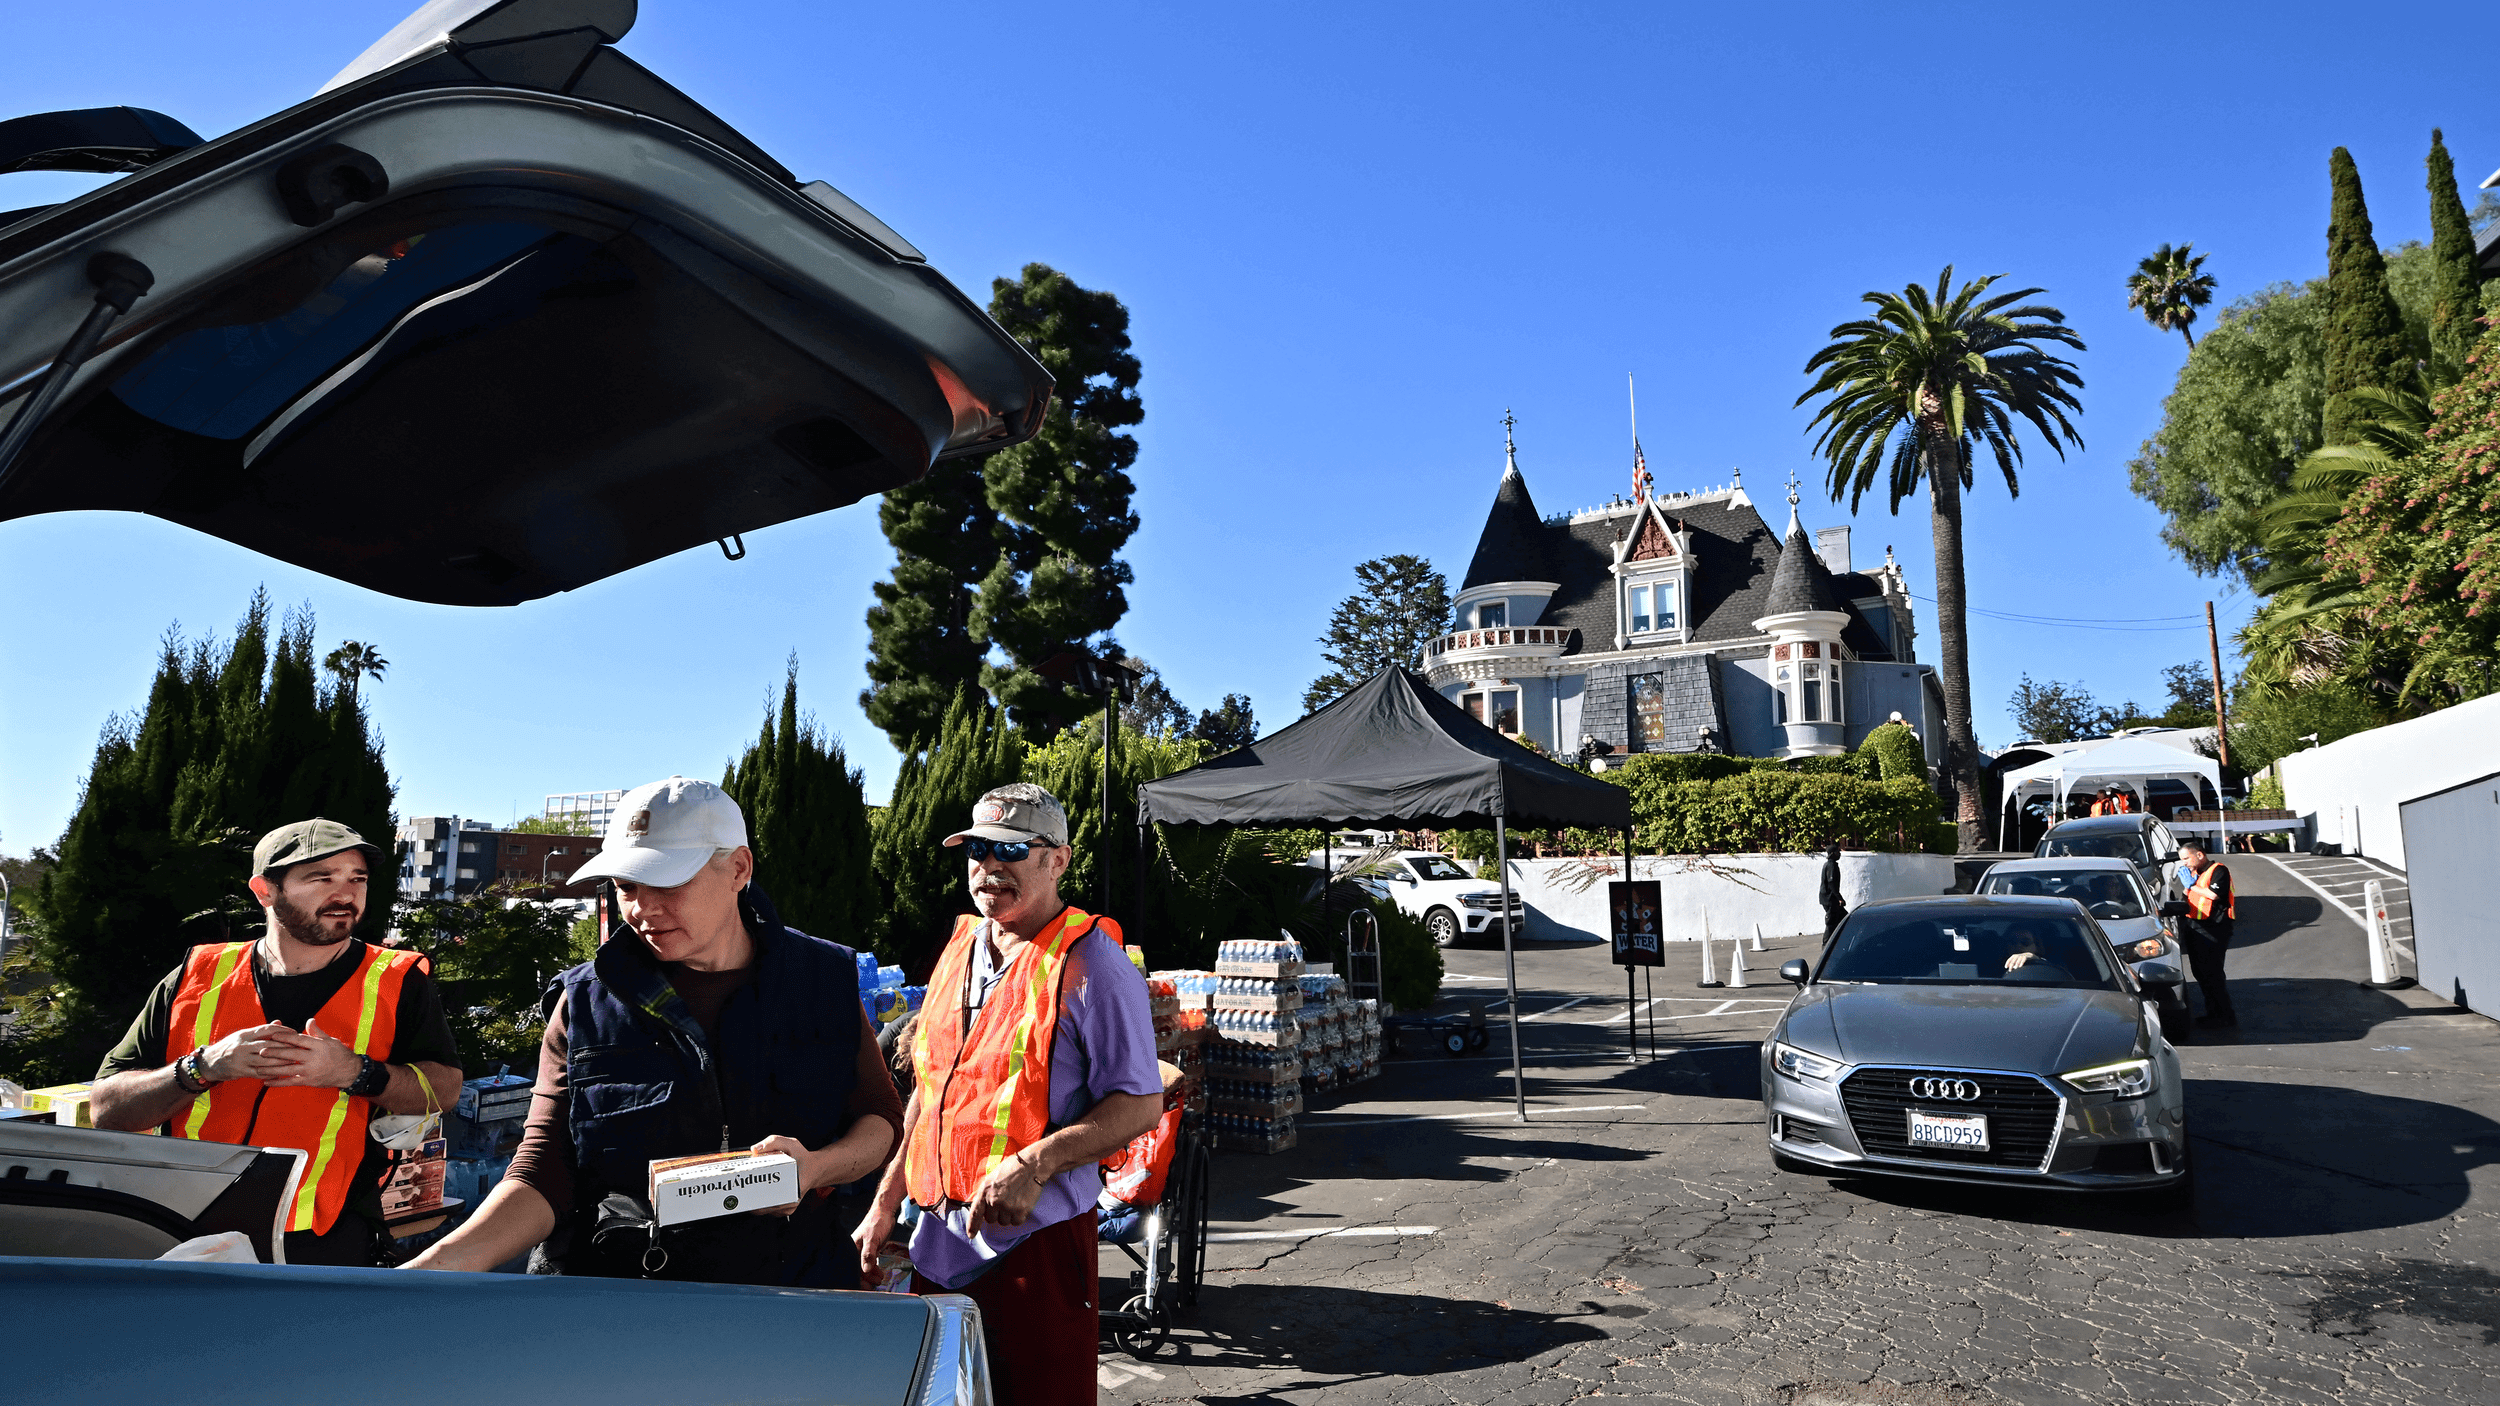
(2130,759)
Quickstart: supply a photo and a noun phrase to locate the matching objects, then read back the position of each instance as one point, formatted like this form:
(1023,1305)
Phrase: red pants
(1039,1315)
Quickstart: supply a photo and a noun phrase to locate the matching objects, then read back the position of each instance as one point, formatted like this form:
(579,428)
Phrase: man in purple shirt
(1022,1245)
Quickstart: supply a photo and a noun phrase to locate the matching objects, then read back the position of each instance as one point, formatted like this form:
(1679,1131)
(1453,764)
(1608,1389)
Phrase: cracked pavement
(2342,1247)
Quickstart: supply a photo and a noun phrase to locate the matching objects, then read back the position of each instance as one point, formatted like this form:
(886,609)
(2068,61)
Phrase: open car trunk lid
(497,314)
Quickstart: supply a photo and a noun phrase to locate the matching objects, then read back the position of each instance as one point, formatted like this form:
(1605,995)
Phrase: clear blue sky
(1349,236)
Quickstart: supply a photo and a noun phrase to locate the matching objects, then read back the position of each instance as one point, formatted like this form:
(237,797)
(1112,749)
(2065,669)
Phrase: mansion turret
(1677,624)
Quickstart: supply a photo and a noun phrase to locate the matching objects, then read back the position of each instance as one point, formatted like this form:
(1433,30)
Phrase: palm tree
(2168,289)
(1911,391)
(352,661)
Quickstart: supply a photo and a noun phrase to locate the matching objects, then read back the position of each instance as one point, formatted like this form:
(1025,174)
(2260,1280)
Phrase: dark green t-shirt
(422,1033)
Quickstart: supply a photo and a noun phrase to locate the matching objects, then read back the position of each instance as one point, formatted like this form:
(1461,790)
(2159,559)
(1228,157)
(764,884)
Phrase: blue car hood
(2041,1029)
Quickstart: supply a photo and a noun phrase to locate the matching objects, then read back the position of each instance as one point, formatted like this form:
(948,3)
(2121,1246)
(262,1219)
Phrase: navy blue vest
(646,1084)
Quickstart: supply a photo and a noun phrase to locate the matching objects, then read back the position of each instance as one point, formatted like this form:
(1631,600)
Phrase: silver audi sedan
(1978,1039)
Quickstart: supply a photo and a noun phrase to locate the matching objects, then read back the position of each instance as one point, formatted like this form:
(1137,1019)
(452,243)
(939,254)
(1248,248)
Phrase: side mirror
(2175,908)
(2159,974)
(1795,971)
(2170,858)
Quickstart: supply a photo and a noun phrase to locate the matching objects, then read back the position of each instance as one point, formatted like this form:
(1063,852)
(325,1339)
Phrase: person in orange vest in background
(2213,910)
(1003,1166)
(296,1040)
(2121,801)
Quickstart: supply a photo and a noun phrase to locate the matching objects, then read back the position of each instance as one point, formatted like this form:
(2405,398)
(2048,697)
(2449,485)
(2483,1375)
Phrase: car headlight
(2127,1078)
(2148,949)
(1800,1064)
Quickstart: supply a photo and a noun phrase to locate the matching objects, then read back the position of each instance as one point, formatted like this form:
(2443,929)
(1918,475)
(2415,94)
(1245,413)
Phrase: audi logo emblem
(1959,1090)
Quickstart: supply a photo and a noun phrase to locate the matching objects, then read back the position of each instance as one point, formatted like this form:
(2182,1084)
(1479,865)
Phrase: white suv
(1451,902)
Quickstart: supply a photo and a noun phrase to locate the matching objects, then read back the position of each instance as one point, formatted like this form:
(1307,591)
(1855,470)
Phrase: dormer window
(1493,615)
(1652,607)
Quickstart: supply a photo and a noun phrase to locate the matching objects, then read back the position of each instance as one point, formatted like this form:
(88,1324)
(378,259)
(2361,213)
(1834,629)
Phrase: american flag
(1641,482)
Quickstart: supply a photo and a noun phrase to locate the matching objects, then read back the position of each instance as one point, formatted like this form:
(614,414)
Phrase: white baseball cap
(665,832)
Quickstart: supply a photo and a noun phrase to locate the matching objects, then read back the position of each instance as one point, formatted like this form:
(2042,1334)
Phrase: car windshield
(1969,949)
(1433,866)
(2125,844)
(2104,893)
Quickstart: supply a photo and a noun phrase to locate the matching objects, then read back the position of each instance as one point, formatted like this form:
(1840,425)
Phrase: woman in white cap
(704,1025)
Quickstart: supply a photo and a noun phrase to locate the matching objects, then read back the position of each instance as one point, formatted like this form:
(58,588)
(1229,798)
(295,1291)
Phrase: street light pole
(4,915)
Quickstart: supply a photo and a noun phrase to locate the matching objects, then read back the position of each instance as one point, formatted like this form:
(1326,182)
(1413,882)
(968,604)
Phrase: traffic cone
(1709,973)
(1736,962)
(1757,937)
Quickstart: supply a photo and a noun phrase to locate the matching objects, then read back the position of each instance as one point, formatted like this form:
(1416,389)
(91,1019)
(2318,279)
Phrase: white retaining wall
(2349,790)
(1737,890)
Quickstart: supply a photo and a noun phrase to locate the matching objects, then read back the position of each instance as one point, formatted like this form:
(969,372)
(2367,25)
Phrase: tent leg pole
(1648,979)
(1137,916)
(1510,968)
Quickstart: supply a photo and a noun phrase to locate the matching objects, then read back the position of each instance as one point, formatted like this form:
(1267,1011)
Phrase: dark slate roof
(1801,581)
(1850,587)
(1513,547)
(1734,551)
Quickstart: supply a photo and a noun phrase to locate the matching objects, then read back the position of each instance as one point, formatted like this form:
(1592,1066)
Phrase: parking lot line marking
(2348,910)
(1227,1237)
(1574,1001)
(1721,1009)
(1503,1111)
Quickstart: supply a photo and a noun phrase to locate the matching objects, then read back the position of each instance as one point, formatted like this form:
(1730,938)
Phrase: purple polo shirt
(1104,1044)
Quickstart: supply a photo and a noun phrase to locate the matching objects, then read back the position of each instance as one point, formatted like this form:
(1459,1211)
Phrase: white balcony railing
(1521,638)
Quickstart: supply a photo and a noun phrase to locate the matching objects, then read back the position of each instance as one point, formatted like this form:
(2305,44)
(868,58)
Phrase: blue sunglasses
(1006,851)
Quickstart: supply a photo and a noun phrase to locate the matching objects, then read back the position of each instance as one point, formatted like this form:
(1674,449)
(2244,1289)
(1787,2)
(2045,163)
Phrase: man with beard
(296,1040)
(1004,1167)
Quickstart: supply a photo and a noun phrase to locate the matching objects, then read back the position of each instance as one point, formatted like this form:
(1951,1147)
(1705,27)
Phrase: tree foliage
(2365,334)
(2168,287)
(1069,766)
(2456,282)
(2271,723)
(919,881)
(1229,727)
(494,953)
(1017,552)
(1400,605)
(807,823)
(2246,409)
(1908,394)
(236,739)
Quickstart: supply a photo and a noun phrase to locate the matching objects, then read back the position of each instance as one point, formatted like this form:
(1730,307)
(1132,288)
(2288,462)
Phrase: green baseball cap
(304,841)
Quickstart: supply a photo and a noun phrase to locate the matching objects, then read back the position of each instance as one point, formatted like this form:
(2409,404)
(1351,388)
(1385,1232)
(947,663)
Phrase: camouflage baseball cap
(304,841)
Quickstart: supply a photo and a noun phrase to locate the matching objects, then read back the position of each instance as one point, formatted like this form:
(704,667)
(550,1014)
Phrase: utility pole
(2213,649)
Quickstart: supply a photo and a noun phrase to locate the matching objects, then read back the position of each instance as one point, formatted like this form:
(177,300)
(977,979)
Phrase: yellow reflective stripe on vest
(205,1026)
(308,1191)
(1045,973)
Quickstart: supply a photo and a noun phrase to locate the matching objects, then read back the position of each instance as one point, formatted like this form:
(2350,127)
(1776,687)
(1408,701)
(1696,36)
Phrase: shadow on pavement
(2332,1161)
(2267,916)
(1337,1333)
(2308,1010)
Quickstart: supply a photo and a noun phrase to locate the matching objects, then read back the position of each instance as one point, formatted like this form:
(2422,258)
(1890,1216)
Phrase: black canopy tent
(1392,754)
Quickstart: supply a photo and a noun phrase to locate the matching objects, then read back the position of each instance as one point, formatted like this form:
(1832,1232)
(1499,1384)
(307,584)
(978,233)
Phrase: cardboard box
(494,1097)
(68,1104)
(723,1184)
(1274,971)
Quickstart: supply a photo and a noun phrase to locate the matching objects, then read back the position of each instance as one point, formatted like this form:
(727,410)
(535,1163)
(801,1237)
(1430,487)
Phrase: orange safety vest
(2101,806)
(2120,803)
(2200,897)
(327,1125)
(984,1094)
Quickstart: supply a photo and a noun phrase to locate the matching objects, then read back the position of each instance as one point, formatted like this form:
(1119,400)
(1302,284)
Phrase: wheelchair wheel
(1477,1039)
(1143,1328)
(1191,1229)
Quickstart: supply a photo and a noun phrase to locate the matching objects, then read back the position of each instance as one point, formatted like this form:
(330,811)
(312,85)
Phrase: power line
(2153,624)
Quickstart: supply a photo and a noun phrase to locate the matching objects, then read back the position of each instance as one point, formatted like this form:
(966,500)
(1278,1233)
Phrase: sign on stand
(1637,921)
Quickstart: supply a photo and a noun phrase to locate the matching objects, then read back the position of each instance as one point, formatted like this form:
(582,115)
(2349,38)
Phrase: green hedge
(1776,810)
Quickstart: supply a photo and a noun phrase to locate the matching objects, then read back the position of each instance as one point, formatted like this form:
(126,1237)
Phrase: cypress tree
(921,646)
(231,744)
(807,822)
(2365,334)
(920,882)
(2456,286)
(1403,605)
(1018,551)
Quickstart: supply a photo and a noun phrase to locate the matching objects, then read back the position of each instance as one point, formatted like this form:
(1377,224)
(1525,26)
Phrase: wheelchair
(1163,1230)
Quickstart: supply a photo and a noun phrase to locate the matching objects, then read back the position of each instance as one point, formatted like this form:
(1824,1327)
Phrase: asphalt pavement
(1631,1239)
